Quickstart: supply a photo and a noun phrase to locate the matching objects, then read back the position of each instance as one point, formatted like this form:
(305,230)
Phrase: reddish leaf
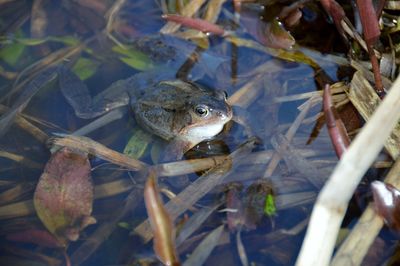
(195,23)
(161,224)
(64,195)
(387,203)
(337,131)
(35,236)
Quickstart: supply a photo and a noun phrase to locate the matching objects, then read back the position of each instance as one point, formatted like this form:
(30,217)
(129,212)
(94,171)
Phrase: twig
(188,11)
(92,147)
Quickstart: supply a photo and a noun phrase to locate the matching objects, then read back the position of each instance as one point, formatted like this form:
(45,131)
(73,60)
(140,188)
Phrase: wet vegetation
(199,132)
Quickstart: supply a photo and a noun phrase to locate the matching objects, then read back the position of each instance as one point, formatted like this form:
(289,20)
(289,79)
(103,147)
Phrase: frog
(180,111)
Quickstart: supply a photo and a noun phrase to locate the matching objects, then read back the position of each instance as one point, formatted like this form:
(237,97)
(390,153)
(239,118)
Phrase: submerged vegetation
(284,105)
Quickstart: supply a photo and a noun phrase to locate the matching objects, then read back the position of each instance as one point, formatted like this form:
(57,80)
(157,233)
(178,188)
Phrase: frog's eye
(201,110)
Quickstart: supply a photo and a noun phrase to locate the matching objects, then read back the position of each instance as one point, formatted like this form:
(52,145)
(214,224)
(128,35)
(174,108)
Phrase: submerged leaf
(12,53)
(161,224)
(67,40)
(137,144)
(30,41)
(85,68)
(134,58)
(64,195)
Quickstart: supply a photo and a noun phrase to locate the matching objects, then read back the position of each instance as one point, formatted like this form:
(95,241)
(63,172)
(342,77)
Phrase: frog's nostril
(221,114)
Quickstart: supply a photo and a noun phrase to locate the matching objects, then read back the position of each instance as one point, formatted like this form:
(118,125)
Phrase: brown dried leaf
(161,224)
(64,195)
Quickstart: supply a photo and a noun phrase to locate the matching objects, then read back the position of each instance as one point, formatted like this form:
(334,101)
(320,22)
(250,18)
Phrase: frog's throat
(200,133)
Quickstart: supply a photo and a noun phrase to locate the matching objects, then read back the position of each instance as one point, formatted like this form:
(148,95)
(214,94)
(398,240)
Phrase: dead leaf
(64,195)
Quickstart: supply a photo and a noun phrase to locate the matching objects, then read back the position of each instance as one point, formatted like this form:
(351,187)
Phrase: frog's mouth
(200,133)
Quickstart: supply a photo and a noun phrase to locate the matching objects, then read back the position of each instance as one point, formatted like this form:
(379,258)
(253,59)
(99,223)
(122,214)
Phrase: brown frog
(178,111)
(182,112)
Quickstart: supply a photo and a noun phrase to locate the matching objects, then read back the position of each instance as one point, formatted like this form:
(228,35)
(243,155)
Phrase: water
(223,66)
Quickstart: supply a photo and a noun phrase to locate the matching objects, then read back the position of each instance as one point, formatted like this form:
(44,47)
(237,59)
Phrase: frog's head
(208,112)
(182,112)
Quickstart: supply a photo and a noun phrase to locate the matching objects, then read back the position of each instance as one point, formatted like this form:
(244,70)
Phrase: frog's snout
(224,115)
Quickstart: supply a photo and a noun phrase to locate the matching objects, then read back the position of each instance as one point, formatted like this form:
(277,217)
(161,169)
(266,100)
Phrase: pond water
(257,79)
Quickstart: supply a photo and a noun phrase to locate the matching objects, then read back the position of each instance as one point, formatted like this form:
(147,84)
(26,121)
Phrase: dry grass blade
(27,126)
(163,229)
(213,10)
(22,101)
(16,192)
(289,136)
(94,148)
(204,249)
(329,209)
(111,15)
(106,119)
(199,188)
(22,208)
(188,166)
(20,159)
(241,249)
(365,100)
(195,221)
(357,244)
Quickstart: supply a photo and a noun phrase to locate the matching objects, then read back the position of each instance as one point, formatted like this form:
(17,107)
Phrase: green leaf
(125,225)
(137,144)
(85,68)
(135,63)
(68,40)
(134,58)
(30,41)
(269,205)
(12,53)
